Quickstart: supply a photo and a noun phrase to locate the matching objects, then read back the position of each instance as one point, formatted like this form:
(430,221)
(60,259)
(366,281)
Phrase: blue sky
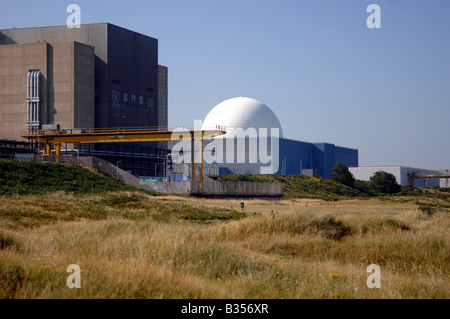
(315,63)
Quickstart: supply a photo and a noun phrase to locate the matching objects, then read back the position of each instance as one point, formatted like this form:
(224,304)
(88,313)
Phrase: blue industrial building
(313,159)
(302,158)
(254,144)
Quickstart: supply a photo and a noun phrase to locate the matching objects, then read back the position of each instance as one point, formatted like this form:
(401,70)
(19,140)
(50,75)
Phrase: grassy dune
(25,178)
(134,245)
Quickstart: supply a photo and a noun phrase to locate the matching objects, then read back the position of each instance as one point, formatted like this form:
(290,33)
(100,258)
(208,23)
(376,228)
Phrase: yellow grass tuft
(136,246)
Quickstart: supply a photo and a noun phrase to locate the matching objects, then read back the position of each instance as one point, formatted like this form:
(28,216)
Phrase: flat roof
(83,24)
(397,166)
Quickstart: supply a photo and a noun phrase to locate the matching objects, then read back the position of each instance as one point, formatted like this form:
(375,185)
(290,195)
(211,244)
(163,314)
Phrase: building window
(151,103)
(125,97)
(115,96)
(141,100)
(133,99)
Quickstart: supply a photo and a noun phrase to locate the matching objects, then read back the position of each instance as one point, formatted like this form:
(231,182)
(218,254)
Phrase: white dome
(242,112)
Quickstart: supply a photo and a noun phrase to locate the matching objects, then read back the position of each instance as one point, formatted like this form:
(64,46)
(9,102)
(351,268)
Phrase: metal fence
(109,169)
(210,170)
(235,188)
(169,187)
(210,186)
(248,189)
(63,159)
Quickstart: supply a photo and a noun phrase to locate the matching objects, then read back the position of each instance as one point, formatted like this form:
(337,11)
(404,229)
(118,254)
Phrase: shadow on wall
(5,40)
(51,110)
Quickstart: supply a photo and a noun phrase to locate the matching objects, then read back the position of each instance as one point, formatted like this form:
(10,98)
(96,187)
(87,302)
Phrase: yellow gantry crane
(123,135)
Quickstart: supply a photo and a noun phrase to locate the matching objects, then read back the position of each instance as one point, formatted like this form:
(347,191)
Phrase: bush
(363,186)
(407,190)
(30,178)
(8,241)
(395,225)
(341,174)
(385,183)
(426,208)
(330,228)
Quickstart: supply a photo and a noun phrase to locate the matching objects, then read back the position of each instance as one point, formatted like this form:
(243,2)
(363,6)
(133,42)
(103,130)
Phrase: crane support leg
(57,149)
(47,149)
(200,165)
(192,164)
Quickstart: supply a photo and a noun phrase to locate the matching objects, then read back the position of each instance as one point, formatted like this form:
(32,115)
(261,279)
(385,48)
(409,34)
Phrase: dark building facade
(119,69)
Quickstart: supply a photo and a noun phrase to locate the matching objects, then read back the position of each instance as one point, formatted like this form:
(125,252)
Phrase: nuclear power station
(254,144)
(104,79)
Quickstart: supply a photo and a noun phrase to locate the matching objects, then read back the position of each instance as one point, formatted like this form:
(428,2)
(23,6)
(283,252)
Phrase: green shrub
(330,228)
(9,241)
(119,200)
(30,178)
(384,183)
(427,208)
(341,174)
(396,225)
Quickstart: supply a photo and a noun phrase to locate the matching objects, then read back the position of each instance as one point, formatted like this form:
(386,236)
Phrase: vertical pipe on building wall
(28,101)
(33,100)
(38,100)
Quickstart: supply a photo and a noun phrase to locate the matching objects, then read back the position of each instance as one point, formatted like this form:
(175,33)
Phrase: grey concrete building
(402,175)
(99,75)
(66,85)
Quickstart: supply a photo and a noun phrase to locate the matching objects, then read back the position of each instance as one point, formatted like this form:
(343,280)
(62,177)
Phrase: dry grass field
(133,245)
